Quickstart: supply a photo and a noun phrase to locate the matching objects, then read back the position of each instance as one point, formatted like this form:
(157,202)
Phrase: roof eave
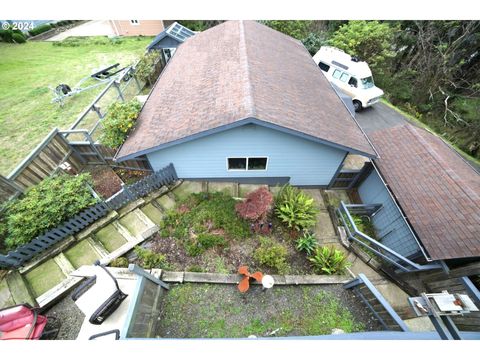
(242,122)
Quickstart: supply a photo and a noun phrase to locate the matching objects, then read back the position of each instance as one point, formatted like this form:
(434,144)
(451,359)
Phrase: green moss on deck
(186,188)
(153,213)
(44,277)
(6,299)
(133,224)
(110,238)
(166,202)
(82,254)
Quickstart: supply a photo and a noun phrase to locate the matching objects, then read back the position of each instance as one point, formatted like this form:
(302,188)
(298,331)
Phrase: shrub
(121,262)
(118,122)
(12,36)
(272,254)
(203,242)
(146,65)
(208,211)
(40,29)
(256,206)
(150,259)
(307,243)
(45,206)
(18,38)
(328,260)
(295,208)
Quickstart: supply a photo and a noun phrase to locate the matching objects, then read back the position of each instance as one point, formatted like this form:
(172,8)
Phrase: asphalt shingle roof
(239,70)
(437,190)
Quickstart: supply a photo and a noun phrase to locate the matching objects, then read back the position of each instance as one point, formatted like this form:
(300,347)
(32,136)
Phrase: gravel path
(69,319)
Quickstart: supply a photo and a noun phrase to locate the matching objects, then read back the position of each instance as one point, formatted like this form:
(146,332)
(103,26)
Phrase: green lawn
(26,72)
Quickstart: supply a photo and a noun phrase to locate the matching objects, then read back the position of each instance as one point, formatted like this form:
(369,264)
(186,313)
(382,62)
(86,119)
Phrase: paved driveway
(381,116)
(90,28)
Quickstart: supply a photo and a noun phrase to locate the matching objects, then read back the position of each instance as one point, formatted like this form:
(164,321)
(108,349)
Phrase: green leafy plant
(45,206)
(295,208)
(150,259)
(18,38)
(121,262)
(328,260)
(119,121)
(203,242)
(145,68)
(12,36)
(272,254)
(307,243)
(40,29)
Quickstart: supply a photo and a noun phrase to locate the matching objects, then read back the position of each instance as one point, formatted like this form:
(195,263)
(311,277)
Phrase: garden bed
(206,233)
(189,312)
(105,181)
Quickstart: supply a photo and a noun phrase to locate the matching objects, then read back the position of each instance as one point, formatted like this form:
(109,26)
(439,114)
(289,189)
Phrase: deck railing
(371,245)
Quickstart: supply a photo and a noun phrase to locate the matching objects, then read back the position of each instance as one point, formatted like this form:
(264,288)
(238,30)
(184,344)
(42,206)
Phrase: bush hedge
(118,122)
(18,38)
(40,29)
(45,206)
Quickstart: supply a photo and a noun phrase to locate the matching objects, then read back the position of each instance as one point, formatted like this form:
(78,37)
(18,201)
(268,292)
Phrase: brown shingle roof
(437,190)
(239,70)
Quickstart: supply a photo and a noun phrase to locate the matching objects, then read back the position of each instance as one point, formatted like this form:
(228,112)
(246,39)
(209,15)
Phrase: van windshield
(367,82)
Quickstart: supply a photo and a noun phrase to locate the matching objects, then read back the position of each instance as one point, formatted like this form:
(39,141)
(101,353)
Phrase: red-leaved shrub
(256,206)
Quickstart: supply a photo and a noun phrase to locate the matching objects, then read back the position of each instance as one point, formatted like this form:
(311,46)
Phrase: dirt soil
(189,312)
(223,260)
(105,181)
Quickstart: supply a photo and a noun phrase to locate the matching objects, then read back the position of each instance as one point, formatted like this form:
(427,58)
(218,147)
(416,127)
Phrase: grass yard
(26,112)
(189,312)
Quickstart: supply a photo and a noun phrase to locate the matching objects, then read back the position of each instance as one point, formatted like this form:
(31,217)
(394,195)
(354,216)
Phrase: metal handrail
(353,236)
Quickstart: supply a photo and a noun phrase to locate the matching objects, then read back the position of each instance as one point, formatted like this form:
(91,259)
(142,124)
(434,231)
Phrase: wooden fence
(8,189)
(16,258)
(44,161)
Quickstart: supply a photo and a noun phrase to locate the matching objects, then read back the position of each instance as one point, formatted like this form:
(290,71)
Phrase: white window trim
(135,22)
(246,168)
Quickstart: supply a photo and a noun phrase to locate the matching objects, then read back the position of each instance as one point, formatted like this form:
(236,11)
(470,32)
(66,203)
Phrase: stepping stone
(165,202)
(227,188)
(245,189)
(324,226)
(110,238)
(18,289)
(44,277)
(187,188)
(82,254)
(153,213)
(138,224)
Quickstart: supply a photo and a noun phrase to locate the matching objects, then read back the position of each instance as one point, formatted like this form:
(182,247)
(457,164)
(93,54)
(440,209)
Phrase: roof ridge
(439,159)
(249,99)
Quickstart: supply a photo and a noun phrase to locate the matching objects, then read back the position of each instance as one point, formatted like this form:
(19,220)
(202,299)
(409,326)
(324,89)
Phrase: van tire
(357,105)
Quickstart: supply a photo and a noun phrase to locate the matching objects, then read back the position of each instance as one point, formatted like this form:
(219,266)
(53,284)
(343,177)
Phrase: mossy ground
(44,277)
(189,312)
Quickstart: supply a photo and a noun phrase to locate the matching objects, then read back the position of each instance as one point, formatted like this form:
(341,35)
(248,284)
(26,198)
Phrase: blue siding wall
(304,161)
(391,228)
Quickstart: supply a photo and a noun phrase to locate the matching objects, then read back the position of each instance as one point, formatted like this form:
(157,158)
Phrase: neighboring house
(430,197)
(242,102)
(137,27)
(169,39)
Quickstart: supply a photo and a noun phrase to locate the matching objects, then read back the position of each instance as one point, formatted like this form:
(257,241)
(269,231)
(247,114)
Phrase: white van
(352,76)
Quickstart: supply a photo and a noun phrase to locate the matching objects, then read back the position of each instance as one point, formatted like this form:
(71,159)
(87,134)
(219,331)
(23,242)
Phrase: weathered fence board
(43,161)
(18,257)
(8,189)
